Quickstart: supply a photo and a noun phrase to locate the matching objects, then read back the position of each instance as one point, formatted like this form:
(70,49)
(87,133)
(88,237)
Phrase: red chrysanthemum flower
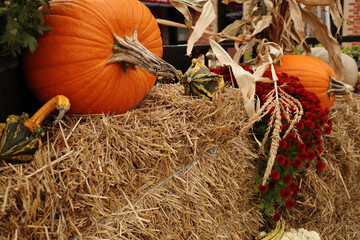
(316,133)
(303,156)
(327,129)
(277,217)
(275,174)
(285,193)
(292,186)
(309,124)
(307,165)
(287,162)
(308,144)
(329,122)
(263,188)
(283,144)
(308,115)
(286,154)
(311,155)
(317,142)
(320,166)
(300,147)
(307,135)
(268,147)
(297,163)
(280,159)
(320,149)
(287,178)
(289,203)
(300,125)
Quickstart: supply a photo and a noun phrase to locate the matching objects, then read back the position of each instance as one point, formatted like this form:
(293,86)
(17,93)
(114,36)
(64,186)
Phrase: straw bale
(329,201)
(173,168)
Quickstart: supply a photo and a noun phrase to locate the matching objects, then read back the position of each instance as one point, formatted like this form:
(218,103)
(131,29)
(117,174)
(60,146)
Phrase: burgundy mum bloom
(308,144)
(303,156)
(285,193)
(301,147)
(320,166)
(287,162)
(308,115)
(320,149)
(275,174)
(317,142)
(309,124)
(311,155)
(296,163)
(277,217)
(327,129)
(317,133)
(292,186)
(289,203)
(287,178)
(283,144)
(280,159)
(307,165)
(307,135)
(263,188)
(300,125)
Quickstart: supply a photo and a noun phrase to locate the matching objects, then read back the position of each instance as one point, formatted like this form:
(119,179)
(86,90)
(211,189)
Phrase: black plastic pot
(10,93)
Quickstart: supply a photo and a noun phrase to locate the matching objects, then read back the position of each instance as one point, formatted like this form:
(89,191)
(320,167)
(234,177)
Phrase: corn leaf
(207,16)
(316,2)
(244,79)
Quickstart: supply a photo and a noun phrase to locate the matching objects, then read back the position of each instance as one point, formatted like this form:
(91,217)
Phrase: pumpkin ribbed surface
(71,58)
(313,74)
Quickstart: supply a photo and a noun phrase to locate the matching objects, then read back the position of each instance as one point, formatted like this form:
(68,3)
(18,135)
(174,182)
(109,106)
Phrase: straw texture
(176,167)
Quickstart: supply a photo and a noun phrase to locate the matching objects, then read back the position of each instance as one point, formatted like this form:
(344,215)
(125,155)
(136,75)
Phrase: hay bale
(173,168)
(329,202)
(123,176)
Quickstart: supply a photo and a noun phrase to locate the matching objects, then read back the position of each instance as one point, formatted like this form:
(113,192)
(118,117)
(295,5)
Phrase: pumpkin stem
(128,51)
(60,102)
(338,88)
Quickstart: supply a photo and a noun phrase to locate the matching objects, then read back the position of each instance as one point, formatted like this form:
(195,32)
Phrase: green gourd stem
(129,52)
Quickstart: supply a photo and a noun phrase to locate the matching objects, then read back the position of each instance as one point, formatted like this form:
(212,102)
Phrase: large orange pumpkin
(314,74)
(71,59)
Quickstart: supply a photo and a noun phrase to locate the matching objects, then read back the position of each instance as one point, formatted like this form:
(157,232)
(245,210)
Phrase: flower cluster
(298,150)
(228,76)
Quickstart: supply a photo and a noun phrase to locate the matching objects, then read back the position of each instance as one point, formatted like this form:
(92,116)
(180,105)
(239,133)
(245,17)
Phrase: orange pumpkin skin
(313,74)
(71,58)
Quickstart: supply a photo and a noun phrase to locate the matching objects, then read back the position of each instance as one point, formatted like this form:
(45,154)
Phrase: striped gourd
(198,80)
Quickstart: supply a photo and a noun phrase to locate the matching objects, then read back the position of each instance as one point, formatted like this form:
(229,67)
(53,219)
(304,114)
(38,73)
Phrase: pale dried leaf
(236,1)
(316,2)
(207,16)
(183,7)
(232,29)
(324,36)
(260,25)
(295,15)
(244,79)
(336,14)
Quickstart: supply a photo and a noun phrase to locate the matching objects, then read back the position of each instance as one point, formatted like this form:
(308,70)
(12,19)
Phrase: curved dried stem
(129,52)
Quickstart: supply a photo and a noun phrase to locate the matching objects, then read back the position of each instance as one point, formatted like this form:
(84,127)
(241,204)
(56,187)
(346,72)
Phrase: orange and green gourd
(198,80)
(20,136)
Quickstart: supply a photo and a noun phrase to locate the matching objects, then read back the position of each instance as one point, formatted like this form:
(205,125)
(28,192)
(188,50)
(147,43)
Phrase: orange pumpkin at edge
(313,73)
(71,59)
